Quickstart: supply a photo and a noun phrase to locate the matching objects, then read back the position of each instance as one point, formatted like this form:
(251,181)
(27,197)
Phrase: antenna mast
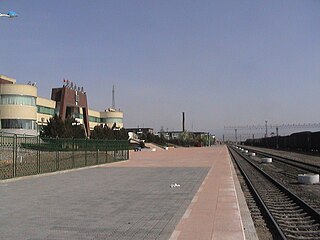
(113,99)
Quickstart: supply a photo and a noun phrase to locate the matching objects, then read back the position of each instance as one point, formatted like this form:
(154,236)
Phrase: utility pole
(236,137)
(266,129)
(277,132)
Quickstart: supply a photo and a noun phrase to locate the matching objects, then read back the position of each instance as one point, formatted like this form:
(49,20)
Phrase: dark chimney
(183,121)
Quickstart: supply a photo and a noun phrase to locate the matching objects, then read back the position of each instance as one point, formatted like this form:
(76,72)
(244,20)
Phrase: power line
(274,126)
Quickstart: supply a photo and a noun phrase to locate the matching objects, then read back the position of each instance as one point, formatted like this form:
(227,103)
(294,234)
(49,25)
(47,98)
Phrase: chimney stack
(183,119)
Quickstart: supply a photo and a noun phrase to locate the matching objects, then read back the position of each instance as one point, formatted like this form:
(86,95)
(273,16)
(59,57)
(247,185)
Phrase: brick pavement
(128,200)
(97,203)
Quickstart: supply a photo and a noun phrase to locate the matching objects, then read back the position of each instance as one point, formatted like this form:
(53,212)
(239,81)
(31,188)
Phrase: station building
(22,111)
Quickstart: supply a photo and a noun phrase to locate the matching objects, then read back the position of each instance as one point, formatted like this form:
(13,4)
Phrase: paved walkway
(128,200)
(214,211)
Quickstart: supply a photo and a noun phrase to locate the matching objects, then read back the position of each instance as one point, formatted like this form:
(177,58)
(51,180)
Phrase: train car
(283,142)
(300,141)
(315,141)
(249,142)
(272,142)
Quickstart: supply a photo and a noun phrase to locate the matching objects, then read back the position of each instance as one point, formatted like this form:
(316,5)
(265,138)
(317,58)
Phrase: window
(17,100)
(94,119)
(77,115)
(46,110)
(18,124)
(112,120)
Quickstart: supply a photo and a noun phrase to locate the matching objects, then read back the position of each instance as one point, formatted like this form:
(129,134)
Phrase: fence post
(56,146)
(105,145)
(38,155)
(97,152)
(14,157)
(73,142)
(128,150)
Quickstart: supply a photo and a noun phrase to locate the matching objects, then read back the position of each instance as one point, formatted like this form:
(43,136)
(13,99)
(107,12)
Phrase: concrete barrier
(266,160)
(308,178)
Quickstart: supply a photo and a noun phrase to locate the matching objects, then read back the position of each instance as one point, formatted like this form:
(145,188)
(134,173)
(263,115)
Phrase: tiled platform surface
(214,212)
(128,200)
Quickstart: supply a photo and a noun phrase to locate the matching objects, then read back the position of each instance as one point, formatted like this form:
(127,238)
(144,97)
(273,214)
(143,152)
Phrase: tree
(104,132)
(57,128)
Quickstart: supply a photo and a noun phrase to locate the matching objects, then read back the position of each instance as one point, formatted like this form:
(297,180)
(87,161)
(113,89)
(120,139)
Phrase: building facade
(22,111)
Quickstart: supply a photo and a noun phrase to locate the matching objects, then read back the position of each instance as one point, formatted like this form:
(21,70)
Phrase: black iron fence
(22,155)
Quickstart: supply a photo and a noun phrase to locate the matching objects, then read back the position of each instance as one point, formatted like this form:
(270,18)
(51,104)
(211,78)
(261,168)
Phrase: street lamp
(10,14)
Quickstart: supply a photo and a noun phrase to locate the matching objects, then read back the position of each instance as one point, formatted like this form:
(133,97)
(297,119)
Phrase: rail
(290,216)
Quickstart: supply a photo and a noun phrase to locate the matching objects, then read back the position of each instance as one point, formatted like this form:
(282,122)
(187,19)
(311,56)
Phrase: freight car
(315,141)
(301,141)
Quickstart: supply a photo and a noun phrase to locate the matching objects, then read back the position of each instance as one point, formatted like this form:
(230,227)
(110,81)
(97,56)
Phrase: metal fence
(22,155)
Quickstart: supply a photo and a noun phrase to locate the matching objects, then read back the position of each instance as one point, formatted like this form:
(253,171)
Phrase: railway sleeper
(276,210)
(287,212)
(306,229)
(301,224)
(280,203)
(288,208)
(302,237)
(294,219)
(278,195)
(255,210)
(298,221)
(300,228)
(252,205)
(258,218)
(309,233)
(286,215)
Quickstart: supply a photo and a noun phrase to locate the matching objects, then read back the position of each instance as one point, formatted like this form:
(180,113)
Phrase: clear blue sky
(221,62)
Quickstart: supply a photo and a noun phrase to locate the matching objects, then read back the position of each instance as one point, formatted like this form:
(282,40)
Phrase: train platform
(218,210)
(176,194)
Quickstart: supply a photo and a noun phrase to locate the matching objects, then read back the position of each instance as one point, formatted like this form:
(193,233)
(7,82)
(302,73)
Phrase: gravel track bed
(293,219)
(288,175)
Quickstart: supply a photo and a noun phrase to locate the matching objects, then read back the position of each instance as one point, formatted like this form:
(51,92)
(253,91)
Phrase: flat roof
(4,77)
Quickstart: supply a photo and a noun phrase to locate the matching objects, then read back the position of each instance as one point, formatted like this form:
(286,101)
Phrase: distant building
(23,112)
(140,130)
(170,135)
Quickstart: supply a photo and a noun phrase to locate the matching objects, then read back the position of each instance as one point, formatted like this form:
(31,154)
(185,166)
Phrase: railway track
(308,167)
(286,170)
(289,216)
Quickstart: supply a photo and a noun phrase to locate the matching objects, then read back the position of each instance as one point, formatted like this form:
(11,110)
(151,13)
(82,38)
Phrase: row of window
(51,111)
(105,120)
(94,119)
(18,124)
(111,120)
(31,124)
(45,110)
(17,100)
(31,101)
